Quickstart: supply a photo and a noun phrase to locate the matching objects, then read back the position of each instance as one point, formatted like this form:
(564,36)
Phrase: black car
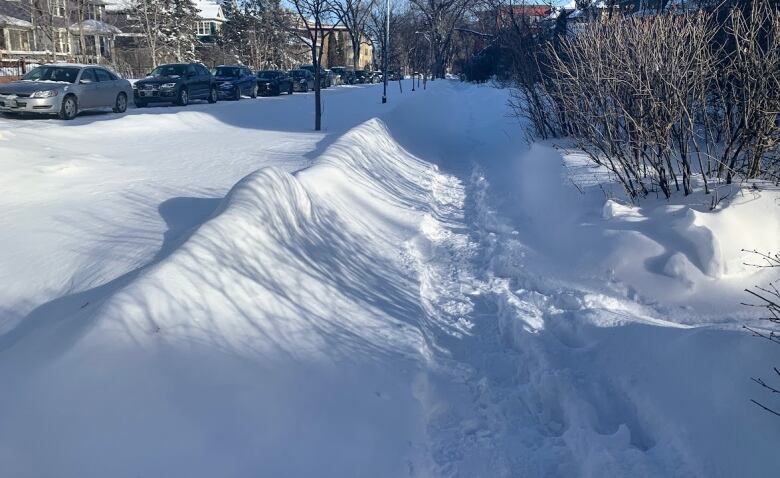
(302,80)
(234,81)
(324,78)
(177,83)
(274,82)
(362,76)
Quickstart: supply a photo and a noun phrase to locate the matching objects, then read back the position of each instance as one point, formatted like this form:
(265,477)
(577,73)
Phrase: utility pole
(387,47)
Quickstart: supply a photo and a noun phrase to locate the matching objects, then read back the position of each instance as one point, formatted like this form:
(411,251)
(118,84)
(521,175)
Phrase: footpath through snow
(417,302)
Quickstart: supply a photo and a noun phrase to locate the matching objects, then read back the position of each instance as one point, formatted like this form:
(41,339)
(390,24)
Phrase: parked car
(361,76)
(324,79)
(234,81)
(333,78)
(273,82)
(177,83)
(65,90)
(376,77)
(302,80)
(345,77)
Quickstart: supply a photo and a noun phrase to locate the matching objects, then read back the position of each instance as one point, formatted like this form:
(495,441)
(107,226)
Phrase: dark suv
(177,83)
(274,82)
(324,78)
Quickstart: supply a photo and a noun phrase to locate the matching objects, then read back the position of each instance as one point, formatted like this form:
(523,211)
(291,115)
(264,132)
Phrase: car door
(246,81)
(206,78)
(194,82)
(106,88)
(89,89)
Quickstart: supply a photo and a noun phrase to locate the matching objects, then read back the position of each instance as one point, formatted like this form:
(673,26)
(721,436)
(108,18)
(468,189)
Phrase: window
(204,28)
(191,70)
(89,75)
(102,75)
(202,70)
(2,39)
(61,44)
(95,12)
(58,8)
(19,40)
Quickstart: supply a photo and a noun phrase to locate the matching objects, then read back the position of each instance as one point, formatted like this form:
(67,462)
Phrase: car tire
(254,91)
(69,108)
(183,98)
(237,94)
(291,90)
(212,95)
(120,105)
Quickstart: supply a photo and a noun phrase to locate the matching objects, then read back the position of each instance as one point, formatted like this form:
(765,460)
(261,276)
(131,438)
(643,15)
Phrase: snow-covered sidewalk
(426,297)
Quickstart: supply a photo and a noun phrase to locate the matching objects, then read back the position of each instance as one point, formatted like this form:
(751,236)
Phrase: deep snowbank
(282,338)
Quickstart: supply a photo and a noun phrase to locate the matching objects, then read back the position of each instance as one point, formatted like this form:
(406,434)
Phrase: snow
(94,27)
(412,292)
(14,22)
(209,9)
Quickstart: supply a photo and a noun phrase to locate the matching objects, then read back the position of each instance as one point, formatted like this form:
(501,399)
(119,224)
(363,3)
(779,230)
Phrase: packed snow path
(393,309)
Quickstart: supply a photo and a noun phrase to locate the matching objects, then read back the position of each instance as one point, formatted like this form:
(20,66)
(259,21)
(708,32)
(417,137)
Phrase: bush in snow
(658,99)
(768,299)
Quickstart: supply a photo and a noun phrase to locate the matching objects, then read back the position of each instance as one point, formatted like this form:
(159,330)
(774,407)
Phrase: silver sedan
(65,90)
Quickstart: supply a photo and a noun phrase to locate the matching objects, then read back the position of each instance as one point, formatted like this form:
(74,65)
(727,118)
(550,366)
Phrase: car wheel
(120,105)
(306,88)
(237,93)
(184,97)
(254,91)
(290,91)
(212,95)
(69,108)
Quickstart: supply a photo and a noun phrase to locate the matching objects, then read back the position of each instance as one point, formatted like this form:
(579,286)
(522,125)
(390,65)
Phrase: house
(55,30)
(337,49)
(133,53)
(211,17)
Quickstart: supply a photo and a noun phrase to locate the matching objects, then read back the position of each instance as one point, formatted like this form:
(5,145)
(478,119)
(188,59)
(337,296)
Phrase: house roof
(209,10)
(8,21)
(94,27)
(527,10)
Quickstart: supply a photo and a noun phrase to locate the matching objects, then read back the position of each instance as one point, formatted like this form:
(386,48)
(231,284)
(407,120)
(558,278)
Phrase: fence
(11,70)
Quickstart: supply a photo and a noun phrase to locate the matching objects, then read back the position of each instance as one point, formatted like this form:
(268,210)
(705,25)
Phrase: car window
(53,73)
(191,70)
(89,75)
(203,70)
(102,75)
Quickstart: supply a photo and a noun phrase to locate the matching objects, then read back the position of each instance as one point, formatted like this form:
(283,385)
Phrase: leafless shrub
(768,299)
(661,99)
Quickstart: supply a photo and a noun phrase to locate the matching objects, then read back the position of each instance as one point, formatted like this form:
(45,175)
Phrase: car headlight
(44,94)
(168,86)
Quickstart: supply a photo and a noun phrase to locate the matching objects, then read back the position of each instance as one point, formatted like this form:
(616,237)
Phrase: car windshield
(53,73)
(298,73)
(267,75)
(229,71)
(168,70)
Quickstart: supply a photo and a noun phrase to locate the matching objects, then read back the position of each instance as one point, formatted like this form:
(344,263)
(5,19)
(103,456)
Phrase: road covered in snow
(218,291)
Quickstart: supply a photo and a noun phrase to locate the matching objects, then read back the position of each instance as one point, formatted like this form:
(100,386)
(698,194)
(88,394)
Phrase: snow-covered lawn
(218,291)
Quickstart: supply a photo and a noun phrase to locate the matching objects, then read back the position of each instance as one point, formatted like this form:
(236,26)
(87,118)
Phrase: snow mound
(261,342)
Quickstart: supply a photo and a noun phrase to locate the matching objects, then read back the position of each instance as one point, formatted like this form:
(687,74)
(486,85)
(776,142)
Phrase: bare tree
(354,16)
(318,18)
(441,18)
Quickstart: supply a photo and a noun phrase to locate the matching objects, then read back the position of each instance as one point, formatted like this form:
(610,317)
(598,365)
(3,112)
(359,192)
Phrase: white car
(65,90)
